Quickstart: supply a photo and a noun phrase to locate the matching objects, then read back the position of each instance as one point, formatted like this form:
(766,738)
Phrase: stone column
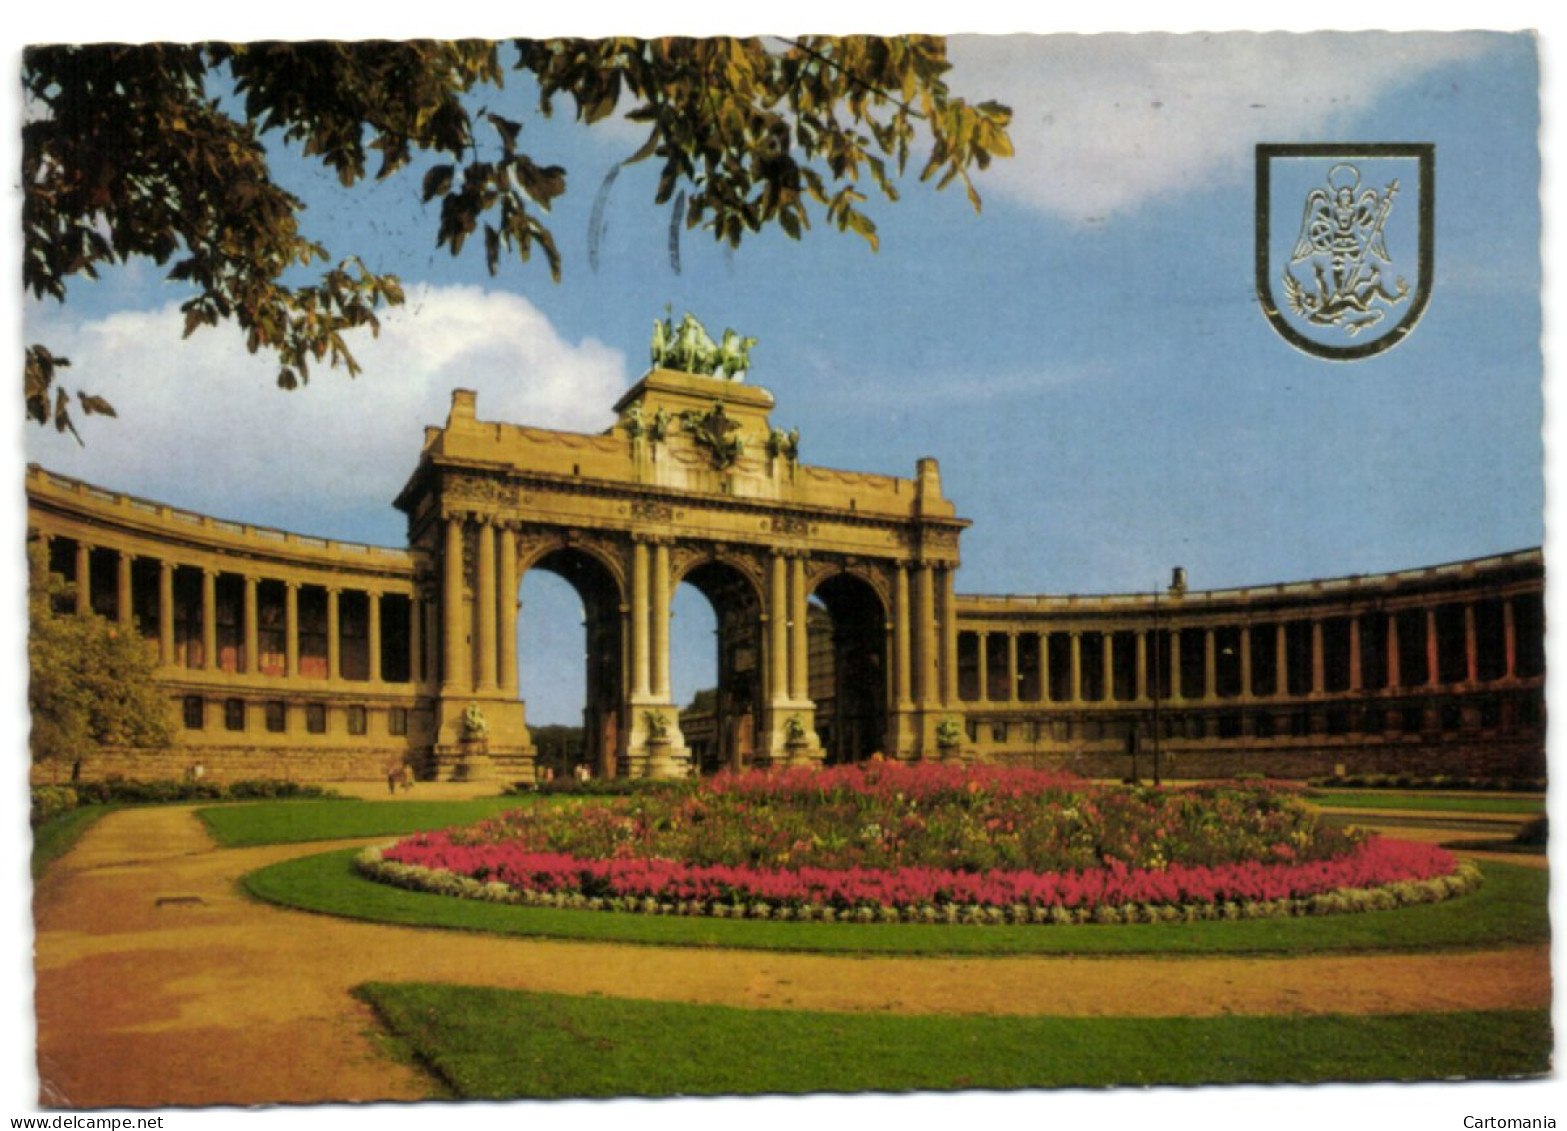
(209,620)
(454,677)
(903,696)
(252,626)
(1356,676)
(1044,667)
(291,629)
(660,626)
(1013,676)
(1282,660)
(508,610)
(1175,664)
(484,606)
(981,640)
(1210,664)
(1433,654)
(416,639)
(1394,675)
(166,612)
(334,634)
(640,673)
(949,638)
(1318,660)
(1471,646)
(1107,675)
(1245,647)
(628,662)
(122,589)
(373,601)
(1075,691)
(778,627)
(1510,639)
(927,689)
(799,636)
(1140,691)
(83,578)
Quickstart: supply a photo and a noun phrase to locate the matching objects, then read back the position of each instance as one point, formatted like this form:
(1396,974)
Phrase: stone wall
(227,764)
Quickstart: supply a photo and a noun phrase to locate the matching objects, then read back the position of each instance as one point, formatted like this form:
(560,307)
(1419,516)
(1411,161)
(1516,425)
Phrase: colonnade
(1291,665)
(159,620)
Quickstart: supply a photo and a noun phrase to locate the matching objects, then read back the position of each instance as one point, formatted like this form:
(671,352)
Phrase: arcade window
(356,720)
(315,718)
(195,712)
(397,720)
(233,714)
(277,716)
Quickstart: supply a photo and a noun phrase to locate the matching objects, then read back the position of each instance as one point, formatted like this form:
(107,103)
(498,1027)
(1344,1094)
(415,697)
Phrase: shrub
(49,801)
(91,684)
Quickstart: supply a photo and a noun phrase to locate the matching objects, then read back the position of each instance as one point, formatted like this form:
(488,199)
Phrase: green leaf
(438,181)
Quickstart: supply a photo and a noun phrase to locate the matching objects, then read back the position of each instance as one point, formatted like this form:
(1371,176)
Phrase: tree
(90,683)
(128,152)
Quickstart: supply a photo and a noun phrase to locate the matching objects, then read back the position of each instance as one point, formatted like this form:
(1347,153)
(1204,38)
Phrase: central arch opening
(848,668)
(722,720)
(546,656)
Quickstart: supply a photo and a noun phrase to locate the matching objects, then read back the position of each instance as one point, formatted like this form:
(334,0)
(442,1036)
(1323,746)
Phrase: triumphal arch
(693,483)
(839,632)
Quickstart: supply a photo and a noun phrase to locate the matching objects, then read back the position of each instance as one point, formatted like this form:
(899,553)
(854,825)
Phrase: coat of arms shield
(1344,243)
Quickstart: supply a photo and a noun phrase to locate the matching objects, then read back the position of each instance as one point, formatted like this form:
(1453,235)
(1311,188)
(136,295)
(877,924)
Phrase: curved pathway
(159,984)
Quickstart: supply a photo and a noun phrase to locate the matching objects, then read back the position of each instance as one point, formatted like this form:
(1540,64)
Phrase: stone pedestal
(655,748)
(662,761)
(954,754)
(473,761)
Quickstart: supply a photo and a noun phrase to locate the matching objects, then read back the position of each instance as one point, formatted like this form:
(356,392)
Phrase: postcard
(941,570)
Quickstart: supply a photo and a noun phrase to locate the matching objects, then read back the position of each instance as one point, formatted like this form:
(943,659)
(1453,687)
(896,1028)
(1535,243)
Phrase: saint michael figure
(1341,235)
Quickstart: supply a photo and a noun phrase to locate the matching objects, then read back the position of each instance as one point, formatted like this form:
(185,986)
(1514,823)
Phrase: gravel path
(158,984)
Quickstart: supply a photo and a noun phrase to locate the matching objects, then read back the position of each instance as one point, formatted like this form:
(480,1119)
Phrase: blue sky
(1085,356)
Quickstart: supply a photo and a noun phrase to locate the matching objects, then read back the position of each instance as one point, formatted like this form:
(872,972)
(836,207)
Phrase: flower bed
(928,843)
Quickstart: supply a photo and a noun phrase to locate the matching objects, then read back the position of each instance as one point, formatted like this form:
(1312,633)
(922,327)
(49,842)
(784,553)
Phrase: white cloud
(1105,123)
(202,424)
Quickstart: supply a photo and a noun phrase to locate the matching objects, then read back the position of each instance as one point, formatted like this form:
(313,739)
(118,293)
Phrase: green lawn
(293,822)
(505,1044)
(1511,907)
(1418,802)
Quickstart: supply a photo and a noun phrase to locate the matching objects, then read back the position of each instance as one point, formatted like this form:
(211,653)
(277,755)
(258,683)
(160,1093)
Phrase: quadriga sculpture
(689,348)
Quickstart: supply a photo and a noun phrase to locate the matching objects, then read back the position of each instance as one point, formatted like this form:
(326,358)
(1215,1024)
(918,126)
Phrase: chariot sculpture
(689,348)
